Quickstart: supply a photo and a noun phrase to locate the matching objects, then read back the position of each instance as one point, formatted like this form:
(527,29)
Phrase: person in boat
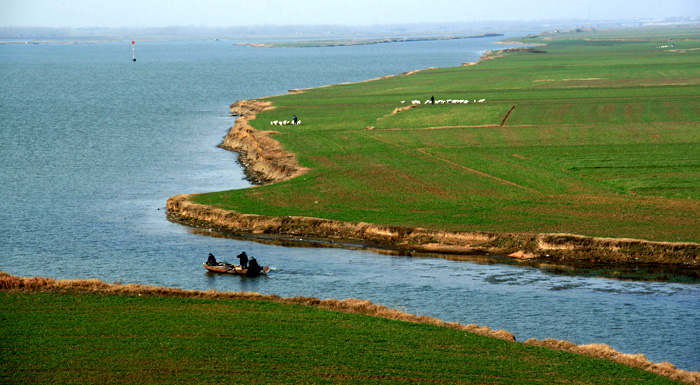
(243,257)
(254,267)
(211,261)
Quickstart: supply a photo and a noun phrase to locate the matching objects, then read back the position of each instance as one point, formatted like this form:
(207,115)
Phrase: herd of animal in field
(285,122)
(448,101)
(414,102)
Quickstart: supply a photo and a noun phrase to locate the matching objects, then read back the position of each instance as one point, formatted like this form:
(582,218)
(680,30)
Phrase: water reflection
(637,272)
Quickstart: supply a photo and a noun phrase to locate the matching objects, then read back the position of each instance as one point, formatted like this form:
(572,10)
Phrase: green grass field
(47,337)
(603,140)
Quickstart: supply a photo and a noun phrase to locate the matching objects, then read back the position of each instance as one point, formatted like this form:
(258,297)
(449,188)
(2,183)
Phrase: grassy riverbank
(91,332)
(591,134)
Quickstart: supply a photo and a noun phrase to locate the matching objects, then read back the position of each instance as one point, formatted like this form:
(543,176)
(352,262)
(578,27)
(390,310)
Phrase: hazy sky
(227,13)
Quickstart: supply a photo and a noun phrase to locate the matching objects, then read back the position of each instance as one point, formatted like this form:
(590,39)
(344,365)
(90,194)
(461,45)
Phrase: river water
(93,144)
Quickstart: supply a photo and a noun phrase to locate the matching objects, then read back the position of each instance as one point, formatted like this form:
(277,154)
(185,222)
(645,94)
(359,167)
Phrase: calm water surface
(93,144)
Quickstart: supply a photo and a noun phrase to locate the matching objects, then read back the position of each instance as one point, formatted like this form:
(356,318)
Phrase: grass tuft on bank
(595,134)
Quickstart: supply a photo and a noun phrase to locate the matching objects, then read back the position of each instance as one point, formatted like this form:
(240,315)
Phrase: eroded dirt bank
(266,161)
(263,158)
(38,284)
(557,247)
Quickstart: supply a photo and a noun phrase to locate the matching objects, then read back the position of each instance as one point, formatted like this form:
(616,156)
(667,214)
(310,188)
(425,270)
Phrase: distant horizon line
(675,19)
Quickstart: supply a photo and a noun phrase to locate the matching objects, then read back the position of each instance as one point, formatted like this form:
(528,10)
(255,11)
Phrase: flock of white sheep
(414,102)
(285,122)
(448,101)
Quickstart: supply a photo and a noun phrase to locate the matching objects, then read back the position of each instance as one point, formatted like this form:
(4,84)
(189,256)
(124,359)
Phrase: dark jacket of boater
(243,257)
(253,268)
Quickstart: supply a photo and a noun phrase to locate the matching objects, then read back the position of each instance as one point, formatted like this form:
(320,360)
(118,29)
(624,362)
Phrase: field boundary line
(505,118)
(474,171)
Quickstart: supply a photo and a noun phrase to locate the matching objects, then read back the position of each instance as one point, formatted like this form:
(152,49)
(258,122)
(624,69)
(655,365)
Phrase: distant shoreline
(351,42)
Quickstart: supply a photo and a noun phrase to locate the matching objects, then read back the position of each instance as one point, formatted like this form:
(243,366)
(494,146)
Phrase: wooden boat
(229,268)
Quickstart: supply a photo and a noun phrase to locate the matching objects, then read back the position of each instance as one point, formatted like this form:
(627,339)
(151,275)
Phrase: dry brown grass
(350,305)
(560,247)
(638,361)
(263,158)
(399,109)
(249,107)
